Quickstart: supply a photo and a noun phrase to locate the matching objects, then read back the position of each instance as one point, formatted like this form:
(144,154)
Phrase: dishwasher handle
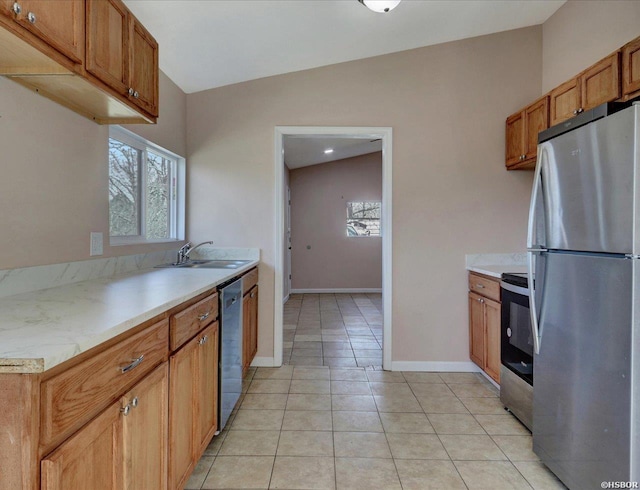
(231,301)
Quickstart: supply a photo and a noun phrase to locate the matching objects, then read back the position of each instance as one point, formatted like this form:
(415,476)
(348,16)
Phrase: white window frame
(177,211)
(380,220)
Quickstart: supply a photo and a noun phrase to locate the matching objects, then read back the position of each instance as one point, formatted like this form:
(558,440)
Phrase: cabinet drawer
(191,320)
(489,288)
(75,396)
(249,280)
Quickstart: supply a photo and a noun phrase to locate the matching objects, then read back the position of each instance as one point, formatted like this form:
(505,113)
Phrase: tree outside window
(363,218)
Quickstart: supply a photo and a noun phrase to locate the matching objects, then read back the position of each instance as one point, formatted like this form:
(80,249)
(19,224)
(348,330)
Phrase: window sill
(117,241)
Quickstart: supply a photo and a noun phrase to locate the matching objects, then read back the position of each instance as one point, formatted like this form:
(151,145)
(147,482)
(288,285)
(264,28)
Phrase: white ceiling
(211,43)
(302,151)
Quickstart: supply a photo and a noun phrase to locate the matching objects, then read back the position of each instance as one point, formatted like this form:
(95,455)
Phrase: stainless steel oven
(516,350)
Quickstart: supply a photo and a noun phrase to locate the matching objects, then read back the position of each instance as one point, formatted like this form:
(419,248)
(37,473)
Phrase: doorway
(368,305)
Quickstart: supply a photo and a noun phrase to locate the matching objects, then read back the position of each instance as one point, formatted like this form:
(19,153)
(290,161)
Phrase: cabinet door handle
(125,410)
(130,91)
(205,316)
(135,402)
(31,17)
(480,300)
(580,110)
(480,286)
(203,340)
(133,364)
(17,9)
(136,94)
(253,295)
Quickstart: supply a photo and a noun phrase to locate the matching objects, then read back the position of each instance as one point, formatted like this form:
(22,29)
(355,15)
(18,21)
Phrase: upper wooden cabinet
(60,23)
(109,59)
(143,63)
(522,134)
(631,69)
(596,85)
(122,54)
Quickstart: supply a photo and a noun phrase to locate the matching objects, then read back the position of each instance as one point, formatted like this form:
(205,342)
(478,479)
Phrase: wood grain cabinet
(193,414)
(123,415)
(631,69)
(249,327)
(484,324)
(92,56)
(124,447)
(522,134)
(249,318)
(122,54)
(596,85)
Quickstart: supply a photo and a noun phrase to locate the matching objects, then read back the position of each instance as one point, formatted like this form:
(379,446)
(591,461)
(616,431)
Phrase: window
(363,218)
(146,191)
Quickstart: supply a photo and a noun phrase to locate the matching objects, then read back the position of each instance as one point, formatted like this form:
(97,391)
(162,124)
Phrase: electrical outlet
(96,243)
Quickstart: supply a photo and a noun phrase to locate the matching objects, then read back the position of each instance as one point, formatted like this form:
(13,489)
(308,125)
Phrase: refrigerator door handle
(533,310)
(531,229)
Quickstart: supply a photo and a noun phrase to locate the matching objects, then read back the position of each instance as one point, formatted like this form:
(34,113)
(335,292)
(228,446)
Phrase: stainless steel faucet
(191,249)
(182,253)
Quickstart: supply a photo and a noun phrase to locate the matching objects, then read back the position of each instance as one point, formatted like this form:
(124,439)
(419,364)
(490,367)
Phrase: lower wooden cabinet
(193,412)
(124,447)
(249,327)
(484,332)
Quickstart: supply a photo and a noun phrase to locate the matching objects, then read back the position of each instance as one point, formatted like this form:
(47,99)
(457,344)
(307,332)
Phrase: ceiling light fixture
(380,6)
(328,150)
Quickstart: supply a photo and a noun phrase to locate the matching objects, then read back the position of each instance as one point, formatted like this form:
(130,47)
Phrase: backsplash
(474,260)
(17,281)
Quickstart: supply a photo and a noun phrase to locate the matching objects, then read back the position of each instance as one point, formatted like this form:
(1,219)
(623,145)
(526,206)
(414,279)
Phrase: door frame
(384,133)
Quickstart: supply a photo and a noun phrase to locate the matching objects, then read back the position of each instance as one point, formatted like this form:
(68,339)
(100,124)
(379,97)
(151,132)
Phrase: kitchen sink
(206,264)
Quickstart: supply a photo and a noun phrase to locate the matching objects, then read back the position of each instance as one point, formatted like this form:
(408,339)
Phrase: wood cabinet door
(253,331)
(246,331)
(476,329)
(631,67)
(207,388)
(92,458)
(59,23)
(492,320)
(183,369)
(515,139)
(601,82)
(564,101)
(536,119)
(5,8)
(107,43)
(146,432)
(143,68)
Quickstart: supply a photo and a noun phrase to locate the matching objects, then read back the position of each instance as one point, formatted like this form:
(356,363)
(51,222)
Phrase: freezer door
(582,391)
(585,188)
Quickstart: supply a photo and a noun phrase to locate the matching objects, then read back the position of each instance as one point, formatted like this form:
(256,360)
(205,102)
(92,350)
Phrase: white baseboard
(489,378)
(263,362)
(285,299)
(438,366)
(336,290)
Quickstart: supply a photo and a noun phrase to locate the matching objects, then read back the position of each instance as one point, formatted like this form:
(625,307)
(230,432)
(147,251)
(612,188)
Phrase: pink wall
(54,187)
(452,195)
(581,33)
(319,196)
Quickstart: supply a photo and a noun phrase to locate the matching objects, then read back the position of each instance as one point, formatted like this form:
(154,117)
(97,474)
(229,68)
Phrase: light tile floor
(334,427)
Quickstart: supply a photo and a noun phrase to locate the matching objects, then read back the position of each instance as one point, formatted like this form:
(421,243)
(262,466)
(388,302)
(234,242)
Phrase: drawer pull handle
(203,340)
(479,286)
(133,364)
(205,316)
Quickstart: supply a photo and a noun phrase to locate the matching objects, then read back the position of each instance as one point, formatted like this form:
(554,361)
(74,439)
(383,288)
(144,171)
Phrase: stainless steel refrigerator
(584,250)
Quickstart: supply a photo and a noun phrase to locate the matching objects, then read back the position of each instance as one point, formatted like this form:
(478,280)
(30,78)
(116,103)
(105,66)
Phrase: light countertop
(497,270)
(41,329)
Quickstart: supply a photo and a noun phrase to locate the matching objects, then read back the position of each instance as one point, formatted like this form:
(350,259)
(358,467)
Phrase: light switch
(96,243)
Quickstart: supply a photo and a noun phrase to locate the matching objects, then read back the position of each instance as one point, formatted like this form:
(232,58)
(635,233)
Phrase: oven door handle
(514,289)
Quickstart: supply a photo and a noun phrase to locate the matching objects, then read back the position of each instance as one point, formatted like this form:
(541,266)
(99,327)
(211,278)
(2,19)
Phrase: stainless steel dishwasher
(230,367)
